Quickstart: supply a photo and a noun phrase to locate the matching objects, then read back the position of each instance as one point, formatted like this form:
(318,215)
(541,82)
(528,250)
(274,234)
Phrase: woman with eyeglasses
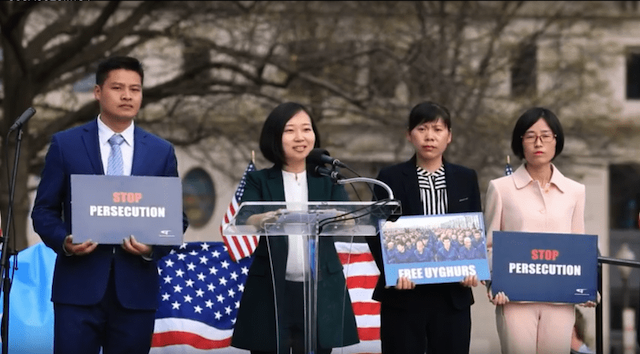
(535,198)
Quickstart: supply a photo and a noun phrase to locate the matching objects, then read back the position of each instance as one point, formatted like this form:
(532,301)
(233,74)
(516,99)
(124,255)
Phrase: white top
(295,192)
(104,134)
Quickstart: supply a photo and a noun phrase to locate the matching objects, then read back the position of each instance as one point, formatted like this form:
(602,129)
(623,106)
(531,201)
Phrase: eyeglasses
(545,138)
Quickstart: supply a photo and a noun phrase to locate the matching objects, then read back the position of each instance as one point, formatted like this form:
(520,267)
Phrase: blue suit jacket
(82,280)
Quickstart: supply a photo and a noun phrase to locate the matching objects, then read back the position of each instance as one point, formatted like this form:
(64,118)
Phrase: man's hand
(78,249)
(134,247)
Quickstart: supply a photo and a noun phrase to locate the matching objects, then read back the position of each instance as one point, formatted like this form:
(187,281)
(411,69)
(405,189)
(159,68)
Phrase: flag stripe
(350,258)
(228,245)
(366,308)
(361,269)
(362,281)
(240,246)
(369,333)
(165,339)
(368,321)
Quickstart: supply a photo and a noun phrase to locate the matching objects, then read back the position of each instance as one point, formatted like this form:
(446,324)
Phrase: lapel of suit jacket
(411,187)
(92,145)
(316,188)
(452,179)
(275,188)
(140,152)
(275,184)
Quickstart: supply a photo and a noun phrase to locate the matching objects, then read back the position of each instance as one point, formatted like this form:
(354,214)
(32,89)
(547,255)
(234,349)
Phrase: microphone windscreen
(315,157)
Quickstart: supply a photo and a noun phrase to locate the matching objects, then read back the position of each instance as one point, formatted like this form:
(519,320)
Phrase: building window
(198,197)
(633,74)
(524,70)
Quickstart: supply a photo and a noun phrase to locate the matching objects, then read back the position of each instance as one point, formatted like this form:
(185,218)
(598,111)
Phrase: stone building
(582,60)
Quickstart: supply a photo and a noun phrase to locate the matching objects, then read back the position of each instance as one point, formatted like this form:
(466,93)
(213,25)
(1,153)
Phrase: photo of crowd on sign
(447,246)
(462,239)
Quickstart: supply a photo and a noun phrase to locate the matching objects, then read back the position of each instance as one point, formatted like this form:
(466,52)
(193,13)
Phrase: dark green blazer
(255,327)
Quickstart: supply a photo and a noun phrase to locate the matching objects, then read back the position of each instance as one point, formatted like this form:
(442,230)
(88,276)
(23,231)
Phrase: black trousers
(433,326)
(292,329)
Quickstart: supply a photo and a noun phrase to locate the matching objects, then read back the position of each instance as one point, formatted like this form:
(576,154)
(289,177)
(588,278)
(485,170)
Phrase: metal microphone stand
(337,178)
(5,268)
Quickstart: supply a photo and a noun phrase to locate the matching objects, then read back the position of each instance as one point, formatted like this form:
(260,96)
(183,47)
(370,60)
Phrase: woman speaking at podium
(271,314)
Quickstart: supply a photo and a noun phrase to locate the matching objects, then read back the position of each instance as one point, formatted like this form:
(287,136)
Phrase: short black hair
(271,135)
(529,118)
(428,112)
(115,63)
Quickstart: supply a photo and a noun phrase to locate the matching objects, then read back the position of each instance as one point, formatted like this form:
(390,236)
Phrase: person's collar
(437,173)
(105,133)
(522,178)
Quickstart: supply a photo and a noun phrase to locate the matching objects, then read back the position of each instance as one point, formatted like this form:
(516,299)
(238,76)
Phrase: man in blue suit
(104,295)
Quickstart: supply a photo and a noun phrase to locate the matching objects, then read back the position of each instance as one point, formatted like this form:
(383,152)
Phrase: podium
(313,226)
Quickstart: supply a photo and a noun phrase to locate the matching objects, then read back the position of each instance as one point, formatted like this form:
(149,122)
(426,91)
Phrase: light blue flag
(30,306)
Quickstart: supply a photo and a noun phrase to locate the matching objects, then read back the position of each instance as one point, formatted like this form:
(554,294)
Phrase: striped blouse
(433,191)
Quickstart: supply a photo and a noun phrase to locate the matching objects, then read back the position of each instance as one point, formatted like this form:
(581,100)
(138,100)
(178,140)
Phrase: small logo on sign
(166,233)
(581,292)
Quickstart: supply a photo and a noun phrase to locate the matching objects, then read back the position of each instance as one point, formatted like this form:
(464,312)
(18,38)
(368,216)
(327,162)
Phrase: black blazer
(255,326)
(463,195)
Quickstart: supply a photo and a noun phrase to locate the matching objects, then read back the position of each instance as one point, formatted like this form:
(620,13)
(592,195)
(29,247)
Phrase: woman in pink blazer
(535,198)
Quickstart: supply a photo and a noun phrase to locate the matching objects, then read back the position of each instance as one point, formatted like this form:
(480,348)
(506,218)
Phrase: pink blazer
(517,203)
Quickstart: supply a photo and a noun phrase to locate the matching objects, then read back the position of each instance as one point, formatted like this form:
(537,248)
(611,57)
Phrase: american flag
(201,289)
(239,246)
(507,168)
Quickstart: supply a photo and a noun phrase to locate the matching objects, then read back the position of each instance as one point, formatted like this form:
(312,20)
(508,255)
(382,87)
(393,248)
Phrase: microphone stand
(5,286)
(335,175)
(367,180)
(337,178)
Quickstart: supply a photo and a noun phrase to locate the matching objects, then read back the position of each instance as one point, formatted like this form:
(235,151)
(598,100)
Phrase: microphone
(323,171)
(320,156)
(26,115)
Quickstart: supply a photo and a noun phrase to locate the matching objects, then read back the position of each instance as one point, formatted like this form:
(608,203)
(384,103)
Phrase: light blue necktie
(114,164)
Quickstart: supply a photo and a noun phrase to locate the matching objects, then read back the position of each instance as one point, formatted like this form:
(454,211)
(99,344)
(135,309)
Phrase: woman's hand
(259,220)
(591,303)
(269,217)
(469,281)
(405,283)
(499,299)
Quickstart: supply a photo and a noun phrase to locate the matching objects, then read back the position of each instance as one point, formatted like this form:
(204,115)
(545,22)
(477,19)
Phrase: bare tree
(216,68)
